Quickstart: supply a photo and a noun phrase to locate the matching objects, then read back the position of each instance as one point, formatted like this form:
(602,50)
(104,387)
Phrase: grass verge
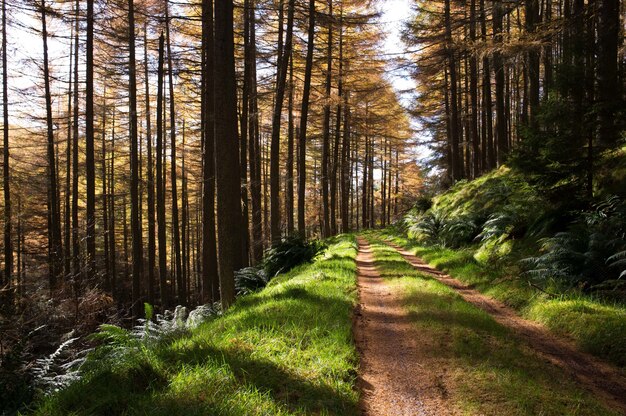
(485,370)
(595,325)
(286,350)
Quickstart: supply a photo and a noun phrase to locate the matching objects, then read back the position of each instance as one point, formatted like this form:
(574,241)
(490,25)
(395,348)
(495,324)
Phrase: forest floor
(431,345)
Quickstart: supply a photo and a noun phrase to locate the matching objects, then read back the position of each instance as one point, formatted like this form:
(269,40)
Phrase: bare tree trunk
(609,88)
(289,201)
(303,119)
(210,282)
(254,147)
(67,247)
(455,152)
(112,245)
(346,177)
(489,152)
(498,67)
(90,165)
(76,267)
(184,219)
(8,242)
(160,186)
(473,133)
(134,168)
(335,164)
(174,182)
(54,221)
(226,153)
(244,141)
(105,219)
(281,79)
(326,126)
(150,176)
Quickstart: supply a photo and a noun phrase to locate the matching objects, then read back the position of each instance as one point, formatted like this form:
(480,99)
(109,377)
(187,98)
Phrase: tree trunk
(326,126)
(254,153)
(150,176)
(281,79)
(475,139)
(105,216)
(134,168)
(289,201)
(55,250)
(498,68)
(346,177)
(210,283)
(226,153)
(8,242)
(76,267)
(609,90)
(456,157)
(90,166)
(160,186)
(180,287)
(306,91)
(335,164)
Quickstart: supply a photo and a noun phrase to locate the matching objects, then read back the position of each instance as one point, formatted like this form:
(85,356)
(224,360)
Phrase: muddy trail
(399,377)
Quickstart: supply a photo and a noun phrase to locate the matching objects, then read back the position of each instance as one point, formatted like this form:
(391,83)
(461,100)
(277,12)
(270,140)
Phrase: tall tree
(254,151)
(326,125)
(210,283)
(8,242)
(150,175)
(498,68)
(54,219)
(304,113)
(174,181)
(226,152)
(160,188)
(134,167)
(281,79)
(90,167)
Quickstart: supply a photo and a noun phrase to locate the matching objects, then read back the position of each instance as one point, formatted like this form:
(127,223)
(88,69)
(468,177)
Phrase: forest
(343,207)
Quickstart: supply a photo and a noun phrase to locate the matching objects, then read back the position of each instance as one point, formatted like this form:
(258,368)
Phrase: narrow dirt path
(396,377)
(601,378)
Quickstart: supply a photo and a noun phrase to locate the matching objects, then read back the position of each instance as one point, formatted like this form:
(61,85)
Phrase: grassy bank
(596,325)
(285,350)
(484,369)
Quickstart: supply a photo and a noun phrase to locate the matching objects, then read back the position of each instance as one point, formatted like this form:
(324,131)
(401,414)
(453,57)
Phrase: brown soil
(396,376)
(606,381)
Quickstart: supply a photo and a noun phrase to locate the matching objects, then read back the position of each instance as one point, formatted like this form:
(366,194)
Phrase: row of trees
(537,82)
(174,142)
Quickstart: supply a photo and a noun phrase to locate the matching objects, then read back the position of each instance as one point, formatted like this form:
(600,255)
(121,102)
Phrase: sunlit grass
(285,350)
(596,325)
(487,370)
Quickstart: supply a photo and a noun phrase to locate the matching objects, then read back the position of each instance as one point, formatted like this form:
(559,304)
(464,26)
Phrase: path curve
(396,377)
(605,380)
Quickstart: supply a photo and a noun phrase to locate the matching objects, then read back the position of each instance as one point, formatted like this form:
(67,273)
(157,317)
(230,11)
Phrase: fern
(57,371)
(249,280)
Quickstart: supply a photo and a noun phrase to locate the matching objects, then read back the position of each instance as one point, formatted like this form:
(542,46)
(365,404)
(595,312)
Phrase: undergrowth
(286,349)
(596,324)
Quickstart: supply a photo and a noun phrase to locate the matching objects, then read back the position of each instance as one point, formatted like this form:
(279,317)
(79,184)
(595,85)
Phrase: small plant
(249,280)
(59,369)
(590,254)
(290,252)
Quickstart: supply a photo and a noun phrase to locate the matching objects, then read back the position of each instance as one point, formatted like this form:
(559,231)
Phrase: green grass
(286,350)
(595,325)
(487,371)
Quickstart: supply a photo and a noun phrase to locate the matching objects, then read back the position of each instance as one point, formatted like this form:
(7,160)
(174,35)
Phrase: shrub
(589,254)
(290,252)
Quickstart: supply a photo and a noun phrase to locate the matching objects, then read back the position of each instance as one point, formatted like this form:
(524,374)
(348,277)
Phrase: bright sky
(394,15)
